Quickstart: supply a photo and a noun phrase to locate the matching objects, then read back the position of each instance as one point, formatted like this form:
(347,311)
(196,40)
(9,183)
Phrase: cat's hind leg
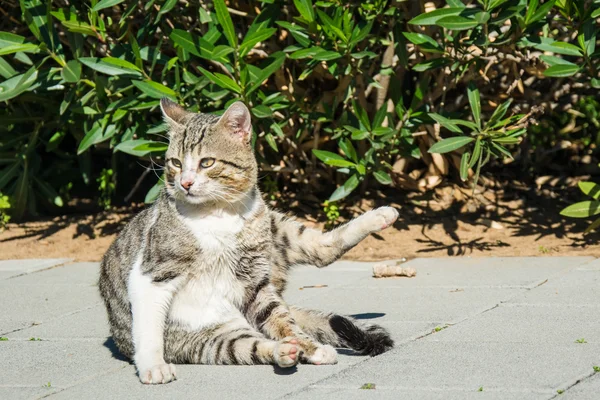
(230,343)
(296,244)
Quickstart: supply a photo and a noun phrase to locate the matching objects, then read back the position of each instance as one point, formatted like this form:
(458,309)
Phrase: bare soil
(515,220)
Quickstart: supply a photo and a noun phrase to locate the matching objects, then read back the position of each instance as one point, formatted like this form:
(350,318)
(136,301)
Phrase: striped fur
(199,276)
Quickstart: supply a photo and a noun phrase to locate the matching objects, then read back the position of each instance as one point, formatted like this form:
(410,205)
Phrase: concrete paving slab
(527,324)
(410,304)
(21,306)
(593,265)
(52,365)
(210,382)
(85,274)
(577,288)
(24,392)
(91,323)
(396,393)
(516,321)
(587,389)
(461,272)
(13,268)
(438,366)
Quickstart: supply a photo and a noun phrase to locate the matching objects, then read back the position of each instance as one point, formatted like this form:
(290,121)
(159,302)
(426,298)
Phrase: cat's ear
(236,121)
(173,113)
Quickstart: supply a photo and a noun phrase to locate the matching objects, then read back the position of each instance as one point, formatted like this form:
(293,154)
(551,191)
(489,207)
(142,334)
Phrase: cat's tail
(342,331)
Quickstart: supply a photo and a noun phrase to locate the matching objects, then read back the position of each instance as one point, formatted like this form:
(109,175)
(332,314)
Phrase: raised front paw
(381,218)
(160,373)
(324,354)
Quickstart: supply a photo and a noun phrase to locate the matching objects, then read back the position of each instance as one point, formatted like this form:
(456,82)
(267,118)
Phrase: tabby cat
(198,277)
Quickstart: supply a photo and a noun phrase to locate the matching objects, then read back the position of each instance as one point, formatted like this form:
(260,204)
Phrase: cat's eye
(207,162)
(176,163)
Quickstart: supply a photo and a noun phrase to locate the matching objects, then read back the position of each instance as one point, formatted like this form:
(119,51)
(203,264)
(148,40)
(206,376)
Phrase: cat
(198,277)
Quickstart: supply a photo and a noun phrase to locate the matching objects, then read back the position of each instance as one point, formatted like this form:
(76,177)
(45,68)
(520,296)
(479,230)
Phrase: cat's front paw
(324,354)
(160,373)
(381,218)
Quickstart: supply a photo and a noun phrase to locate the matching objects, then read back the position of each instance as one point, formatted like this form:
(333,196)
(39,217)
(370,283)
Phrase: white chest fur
(207,300)
(213,295)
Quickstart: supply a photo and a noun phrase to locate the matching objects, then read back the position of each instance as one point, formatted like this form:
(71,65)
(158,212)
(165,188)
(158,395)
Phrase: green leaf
(457,23)
(382,131)
(155,90)
(501,149)
(108,68)
(151,147)
(226,23)
(327,56)
(476,153)
(561,70)
(430,64)
(278,59)
(552,60)
(425,43)
(499,112)
(129,146)
(348,149)
(590,189)
(345,189)
(79,27)
(332,159)
(126,65)
(255,37)
(305,8)
(16,85)
(186,41)
(431,18)
(383,177)
(464,166)
(154,192)
(6,70)
(92,137)
(48,192)
(506,140)
(306,53)
(593,226)
(222,80)
(9,39)
(540,13)
(105,4)
(71,72)
(559,48)
(583,209)
(15,48)
(450,144)
(445,122)
(361,114)
(271,141)
(262,111)
(474,101)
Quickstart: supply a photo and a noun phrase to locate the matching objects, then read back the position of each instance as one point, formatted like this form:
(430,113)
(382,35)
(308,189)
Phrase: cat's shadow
(109,343)
(370,315)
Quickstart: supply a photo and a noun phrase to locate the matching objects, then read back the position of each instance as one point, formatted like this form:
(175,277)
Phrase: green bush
(340,91)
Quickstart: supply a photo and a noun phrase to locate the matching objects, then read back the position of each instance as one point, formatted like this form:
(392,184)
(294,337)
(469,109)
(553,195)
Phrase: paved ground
(489,328)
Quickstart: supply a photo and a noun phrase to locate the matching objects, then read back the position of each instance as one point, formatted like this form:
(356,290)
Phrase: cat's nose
(187,184)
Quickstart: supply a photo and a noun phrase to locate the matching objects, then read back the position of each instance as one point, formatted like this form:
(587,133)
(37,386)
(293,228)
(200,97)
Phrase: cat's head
(210,158)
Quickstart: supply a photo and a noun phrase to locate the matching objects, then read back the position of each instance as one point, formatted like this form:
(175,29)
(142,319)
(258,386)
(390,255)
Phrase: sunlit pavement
(493,328)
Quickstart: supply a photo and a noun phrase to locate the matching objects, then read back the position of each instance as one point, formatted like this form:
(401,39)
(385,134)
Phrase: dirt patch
(518,221)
